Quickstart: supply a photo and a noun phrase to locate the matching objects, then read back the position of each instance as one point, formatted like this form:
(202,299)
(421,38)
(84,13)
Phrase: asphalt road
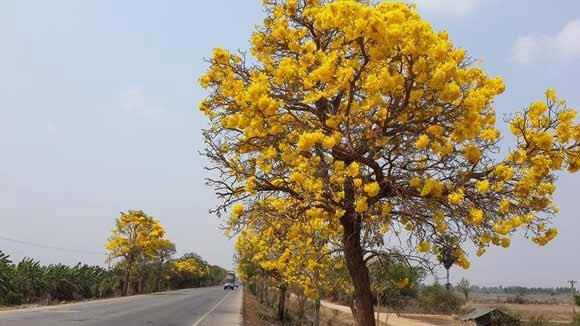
(191,307)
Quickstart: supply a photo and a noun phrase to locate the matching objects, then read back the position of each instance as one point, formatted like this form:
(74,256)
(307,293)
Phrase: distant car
(229,285)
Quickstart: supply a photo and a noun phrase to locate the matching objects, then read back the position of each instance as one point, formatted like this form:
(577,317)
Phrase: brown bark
(140,287)
(301,307)
(354,256)
(126,283)
(316,321)
(282,302)
(378,308)
(262,291)
(127,279)
(352,306)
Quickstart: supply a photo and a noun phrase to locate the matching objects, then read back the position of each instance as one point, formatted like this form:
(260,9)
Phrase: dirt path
(393,319)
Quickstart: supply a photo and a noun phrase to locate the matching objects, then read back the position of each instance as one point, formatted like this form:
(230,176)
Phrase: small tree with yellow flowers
(251,265)
(366,113)
(292,247)
(190,270)
(135,236)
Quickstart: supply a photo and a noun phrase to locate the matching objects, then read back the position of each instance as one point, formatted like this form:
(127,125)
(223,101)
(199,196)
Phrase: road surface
(191,307)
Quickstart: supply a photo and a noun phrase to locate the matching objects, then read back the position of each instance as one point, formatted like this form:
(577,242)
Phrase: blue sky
(98,114)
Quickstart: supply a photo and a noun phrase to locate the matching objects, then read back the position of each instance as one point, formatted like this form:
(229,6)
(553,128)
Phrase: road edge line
(212,309)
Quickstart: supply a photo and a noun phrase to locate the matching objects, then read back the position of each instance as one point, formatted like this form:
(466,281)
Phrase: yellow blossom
(372,189)
(551,94)
(482,186)
(456,197)
(432,187)
(472,153)
(424,246)
(353,169)
(422,141)
(361,205)
(237,209)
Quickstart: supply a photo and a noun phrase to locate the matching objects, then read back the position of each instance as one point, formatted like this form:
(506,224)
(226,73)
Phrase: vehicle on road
(230,281)
(229,285)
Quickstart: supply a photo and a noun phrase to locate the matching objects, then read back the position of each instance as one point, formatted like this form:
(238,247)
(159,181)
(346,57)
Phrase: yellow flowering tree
(136,236)
(291,246)
(189,270)
(367,114)
(251,248)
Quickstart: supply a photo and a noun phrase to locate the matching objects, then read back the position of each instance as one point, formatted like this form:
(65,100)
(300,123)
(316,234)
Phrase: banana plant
(5,271)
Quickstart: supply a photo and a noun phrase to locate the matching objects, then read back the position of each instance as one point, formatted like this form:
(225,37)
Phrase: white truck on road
(230,282)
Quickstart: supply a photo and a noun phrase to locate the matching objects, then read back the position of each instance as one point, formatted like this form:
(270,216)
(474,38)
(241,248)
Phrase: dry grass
(552,312)
(334,317)
(436,320)
(255,313)
(528,298)
(328,316)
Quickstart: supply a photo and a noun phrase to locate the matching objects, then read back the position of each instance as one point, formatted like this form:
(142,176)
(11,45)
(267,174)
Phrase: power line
(38,245)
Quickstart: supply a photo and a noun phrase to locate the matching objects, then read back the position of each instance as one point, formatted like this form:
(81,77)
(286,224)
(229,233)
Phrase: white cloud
(567,41)
(448,7)
(525,48)
(51,127)
(564,45)
(135,101)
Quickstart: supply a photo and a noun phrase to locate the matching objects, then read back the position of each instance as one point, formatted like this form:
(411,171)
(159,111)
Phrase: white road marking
(211,310)
(63,311)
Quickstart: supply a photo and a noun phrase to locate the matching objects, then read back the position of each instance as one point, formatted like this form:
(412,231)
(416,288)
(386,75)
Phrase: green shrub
(5,271)
(12,299)
(437,299)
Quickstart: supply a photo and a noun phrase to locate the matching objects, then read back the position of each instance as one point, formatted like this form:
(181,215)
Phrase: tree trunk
(140,284)
(158,277)
(126,282)
(354,256)
(282,302)
(301,307)
(317,311)
(352,306)
(378,308)
(262,291)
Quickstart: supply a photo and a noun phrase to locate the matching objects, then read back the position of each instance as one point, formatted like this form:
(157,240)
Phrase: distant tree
(464,287)
(190,270)
(436,299)
(394,281)
(162,257)
(577,298)
(136,235)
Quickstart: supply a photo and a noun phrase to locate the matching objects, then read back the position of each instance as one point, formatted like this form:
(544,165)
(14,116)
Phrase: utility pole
(573,290)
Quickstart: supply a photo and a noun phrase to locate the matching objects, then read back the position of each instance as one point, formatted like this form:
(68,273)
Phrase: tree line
(142,260)
(520,290)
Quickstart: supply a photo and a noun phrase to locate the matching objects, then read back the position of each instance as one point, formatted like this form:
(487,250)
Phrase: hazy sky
(98,114)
